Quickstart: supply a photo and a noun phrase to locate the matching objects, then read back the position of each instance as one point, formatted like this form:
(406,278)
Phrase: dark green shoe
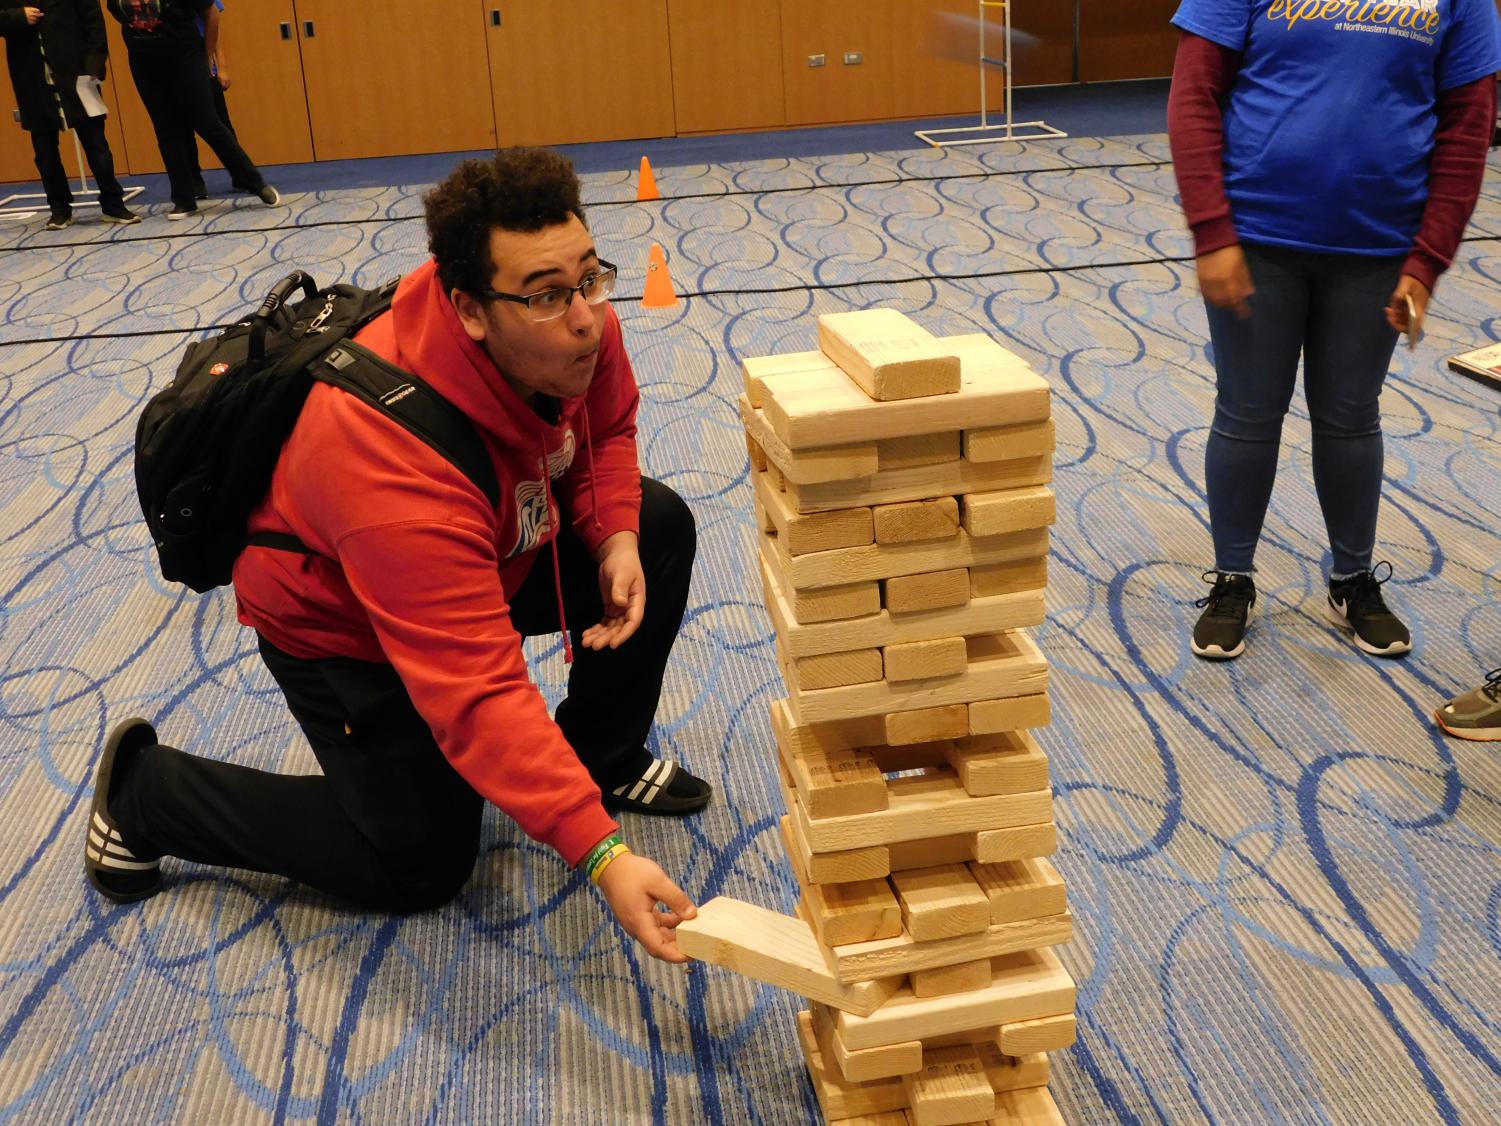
(1475,715)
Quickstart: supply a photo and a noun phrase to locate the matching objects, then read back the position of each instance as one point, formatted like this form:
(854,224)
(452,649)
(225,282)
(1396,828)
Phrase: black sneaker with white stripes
(664,787)
(1355,604)
(115,871)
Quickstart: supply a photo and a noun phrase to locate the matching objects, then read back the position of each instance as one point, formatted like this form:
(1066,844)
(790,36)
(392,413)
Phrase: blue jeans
(1331,309)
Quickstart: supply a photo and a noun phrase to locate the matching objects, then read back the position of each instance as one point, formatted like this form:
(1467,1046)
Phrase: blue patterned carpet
(1288,887)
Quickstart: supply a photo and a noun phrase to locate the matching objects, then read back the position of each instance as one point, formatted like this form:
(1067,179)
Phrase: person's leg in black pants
(193,83)
(45,146)
(155,79)
(613,694)
(102,163)
(389,824)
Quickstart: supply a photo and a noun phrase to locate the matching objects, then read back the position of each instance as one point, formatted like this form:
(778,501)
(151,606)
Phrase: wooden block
(924,660)
(929,805)
(885,1118)
(797,739)
(1023,986)
(1029,1106)
(854,912)
(951,478)
(1009,510)
(918,450)
(986,580)
(1021,889)
(819,531)
(961,977)
(839,783)
(935,590)
(950,1089)
(1006,443)
(958,848)
(1046,1034)
(793,364)
(757,455)
(916,520)
(1011,1073)
(888,957)
(838,670)
(924,725)
(941,902)
(882,561)
(982,615)
(864,1064)
(1012,666)
(825,407)
(838,867)
(1005,763)
(810,466)
(1014,713)
(836,603)
(1018,842)
(888,354)
(773,948)
(839,1098)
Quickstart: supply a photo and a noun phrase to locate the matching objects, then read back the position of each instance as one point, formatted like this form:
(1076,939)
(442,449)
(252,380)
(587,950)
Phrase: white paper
(89,95)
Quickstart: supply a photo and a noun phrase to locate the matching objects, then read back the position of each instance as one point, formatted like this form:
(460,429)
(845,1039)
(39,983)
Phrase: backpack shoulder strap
(415,405)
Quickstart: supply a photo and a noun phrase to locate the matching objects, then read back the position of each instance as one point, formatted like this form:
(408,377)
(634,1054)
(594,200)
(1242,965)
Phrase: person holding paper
(1329,154)
(56,52)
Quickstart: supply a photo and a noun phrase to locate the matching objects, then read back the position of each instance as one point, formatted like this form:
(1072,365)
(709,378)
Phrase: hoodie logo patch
(533,522)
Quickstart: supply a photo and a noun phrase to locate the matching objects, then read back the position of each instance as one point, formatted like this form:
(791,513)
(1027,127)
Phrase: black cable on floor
(593,206)
(808,287)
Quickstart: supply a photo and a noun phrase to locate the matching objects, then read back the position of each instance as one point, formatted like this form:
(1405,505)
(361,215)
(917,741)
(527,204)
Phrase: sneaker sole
(176,216)
(1216,653)
(98,807)
(678,807)
(119,222)
(1474,734)
(1395,649)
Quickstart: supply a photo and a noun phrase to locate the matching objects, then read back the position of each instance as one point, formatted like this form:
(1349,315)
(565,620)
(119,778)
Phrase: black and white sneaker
(59,220)
(269,195)
(1355,604)
(121,217)
(115,871)
(1220,633)
(664,787)
(180,212)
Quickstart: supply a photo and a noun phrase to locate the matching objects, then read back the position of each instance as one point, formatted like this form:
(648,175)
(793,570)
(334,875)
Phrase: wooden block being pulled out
(889,355)
(777,949)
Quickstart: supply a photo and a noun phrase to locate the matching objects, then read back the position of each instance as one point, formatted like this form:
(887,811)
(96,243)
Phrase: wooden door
(1043,41)
(841,32)
(590,70)
(936,52)
(266,99)
(389,77)
(1126,39)
(727,64)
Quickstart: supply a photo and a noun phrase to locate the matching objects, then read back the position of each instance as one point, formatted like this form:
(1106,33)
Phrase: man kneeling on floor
(396,635)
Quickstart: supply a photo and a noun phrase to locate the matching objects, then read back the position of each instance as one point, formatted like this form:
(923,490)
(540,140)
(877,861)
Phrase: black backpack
(206,446)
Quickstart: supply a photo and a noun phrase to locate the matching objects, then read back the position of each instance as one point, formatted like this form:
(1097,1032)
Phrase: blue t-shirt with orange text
(1331,121)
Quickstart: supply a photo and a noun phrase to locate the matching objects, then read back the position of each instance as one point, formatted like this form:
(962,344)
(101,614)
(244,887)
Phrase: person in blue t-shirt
(1329,154)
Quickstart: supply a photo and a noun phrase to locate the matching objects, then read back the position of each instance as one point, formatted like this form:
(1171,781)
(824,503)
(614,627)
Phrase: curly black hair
(518,189)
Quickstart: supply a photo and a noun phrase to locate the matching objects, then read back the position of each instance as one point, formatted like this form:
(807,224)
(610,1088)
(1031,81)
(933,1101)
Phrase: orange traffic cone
(646,187)
(659,292)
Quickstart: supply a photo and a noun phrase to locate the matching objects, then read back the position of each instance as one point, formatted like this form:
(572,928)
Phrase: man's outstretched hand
(622,589)
(633,886)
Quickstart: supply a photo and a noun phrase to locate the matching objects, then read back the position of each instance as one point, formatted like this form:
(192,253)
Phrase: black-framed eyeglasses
(549,304)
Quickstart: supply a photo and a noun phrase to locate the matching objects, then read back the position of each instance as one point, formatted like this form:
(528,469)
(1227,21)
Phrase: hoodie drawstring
(589,445)
(557,571)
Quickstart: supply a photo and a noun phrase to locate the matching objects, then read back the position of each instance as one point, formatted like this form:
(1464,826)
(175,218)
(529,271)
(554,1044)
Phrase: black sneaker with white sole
(664,787)
(121,217)
(1355,604)
(1220,633)
(59,220)
(180,212)
(115,871)
(269,195)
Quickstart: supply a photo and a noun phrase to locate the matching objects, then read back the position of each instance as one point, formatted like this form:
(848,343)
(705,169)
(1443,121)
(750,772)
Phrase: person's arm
(13,20)
(92,39)
(213,43)
(1466,118)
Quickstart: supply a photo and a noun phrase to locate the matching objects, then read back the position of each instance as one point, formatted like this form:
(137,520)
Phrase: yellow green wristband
(591,858)
(598,868)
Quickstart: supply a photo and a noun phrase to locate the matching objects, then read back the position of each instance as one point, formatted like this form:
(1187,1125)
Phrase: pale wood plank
(917,520)
(888,355)
(940,902)
(924,660)
(949,479)
(1006,443)
(882,561)
(951,1088)
(861,911)
(918,449)
(1009,510)
(934,590)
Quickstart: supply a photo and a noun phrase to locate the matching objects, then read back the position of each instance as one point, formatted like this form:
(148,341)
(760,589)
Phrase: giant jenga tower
(901,485)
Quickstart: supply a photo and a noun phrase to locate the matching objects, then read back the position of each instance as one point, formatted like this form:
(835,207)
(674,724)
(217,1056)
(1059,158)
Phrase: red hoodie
(414,568)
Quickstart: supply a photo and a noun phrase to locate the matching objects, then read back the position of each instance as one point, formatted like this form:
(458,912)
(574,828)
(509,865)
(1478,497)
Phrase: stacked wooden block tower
(901,484)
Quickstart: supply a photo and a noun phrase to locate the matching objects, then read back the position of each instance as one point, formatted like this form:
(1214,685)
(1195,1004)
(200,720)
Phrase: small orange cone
(646,187)
(659,292)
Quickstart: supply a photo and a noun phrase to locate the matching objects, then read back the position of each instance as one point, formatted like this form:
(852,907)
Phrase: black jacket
(72,32)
